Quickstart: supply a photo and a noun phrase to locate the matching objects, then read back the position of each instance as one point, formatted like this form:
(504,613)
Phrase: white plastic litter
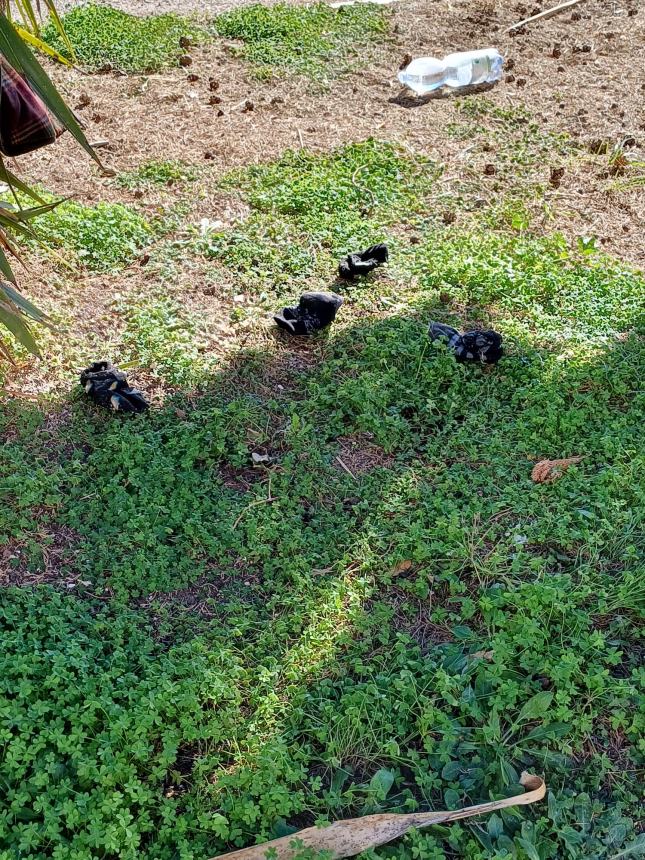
(340,3)
(462,69)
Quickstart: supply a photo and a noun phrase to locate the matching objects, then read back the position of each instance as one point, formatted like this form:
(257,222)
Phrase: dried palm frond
(352,836)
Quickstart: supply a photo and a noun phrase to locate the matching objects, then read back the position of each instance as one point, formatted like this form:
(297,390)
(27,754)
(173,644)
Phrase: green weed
(315,40)
(246,650)
(158,173)
(308,209)
(104,37)
(161,336)
(102,237)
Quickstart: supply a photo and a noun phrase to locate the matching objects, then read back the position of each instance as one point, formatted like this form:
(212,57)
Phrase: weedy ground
(198,654)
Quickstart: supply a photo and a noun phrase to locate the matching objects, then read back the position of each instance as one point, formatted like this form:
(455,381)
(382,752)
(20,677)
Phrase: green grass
(308,210)
(161,336)
(315,41)
(104,37)
(157,173)
(232,652)
(103,237)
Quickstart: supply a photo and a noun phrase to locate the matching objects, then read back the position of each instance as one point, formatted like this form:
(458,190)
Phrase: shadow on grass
(287,581)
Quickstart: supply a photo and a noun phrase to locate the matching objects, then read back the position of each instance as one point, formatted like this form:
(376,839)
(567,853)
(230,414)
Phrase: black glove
(363,262)
(314,312)
(475,345)
(109,387)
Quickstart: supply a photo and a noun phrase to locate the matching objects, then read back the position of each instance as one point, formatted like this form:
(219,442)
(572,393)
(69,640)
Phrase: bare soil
(578,74)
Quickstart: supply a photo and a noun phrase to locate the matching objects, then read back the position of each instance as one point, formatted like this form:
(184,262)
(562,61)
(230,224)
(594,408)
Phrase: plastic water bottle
(462,69)
(473,67)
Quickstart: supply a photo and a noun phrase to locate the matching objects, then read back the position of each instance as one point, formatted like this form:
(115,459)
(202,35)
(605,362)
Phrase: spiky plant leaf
(11,295)
(38,43)
(15,322)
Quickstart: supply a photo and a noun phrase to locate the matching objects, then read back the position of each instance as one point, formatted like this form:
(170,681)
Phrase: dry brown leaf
(401,567)
(547,471)
(485,655)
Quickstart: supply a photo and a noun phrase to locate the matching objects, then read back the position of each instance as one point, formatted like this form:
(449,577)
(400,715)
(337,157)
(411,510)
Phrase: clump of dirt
(240,480)
(359,455)
(55,567)
(412,617)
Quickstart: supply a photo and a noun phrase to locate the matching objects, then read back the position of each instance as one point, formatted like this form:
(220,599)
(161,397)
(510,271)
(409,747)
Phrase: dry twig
(548,13)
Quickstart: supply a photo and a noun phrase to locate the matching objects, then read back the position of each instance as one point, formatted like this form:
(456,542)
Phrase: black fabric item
(109,387)
(363,262)
(476,345)
(314,312)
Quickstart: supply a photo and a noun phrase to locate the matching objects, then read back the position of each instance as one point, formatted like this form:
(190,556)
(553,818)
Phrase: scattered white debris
(337,5)
(207,225)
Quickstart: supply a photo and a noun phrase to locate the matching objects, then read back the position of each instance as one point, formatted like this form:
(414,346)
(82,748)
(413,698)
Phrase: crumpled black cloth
(363,262)
(109,387)
(475,345)
(314,312)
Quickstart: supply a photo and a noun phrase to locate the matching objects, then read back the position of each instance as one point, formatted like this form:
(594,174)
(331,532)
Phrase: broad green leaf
(536,706)
(494,726)
(462,631)
(634,849)
(570,836)
(553,730)
(451,799)
(382,782)
(340,776)
(553,808)
(495,826)
(483,838)
(616,835)
(529,847)
(281,828)
(509,774)
(583,808)
(451,770)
